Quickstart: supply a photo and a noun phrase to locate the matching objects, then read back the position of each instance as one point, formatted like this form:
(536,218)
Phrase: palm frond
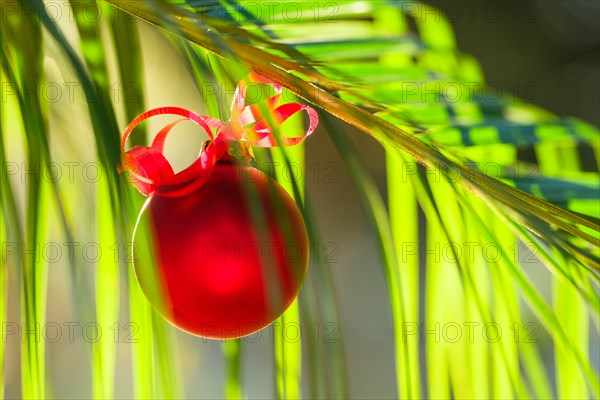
(462,167)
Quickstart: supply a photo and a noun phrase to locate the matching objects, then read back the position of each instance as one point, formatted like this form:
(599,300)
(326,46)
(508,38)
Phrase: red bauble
(229,257)
(222,249)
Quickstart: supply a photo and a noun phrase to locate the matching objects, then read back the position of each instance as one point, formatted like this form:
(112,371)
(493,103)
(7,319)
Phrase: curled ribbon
(248,124)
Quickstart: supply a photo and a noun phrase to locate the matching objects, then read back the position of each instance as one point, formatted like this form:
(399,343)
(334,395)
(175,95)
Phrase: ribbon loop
(188,114)
(147,167)
(261,135)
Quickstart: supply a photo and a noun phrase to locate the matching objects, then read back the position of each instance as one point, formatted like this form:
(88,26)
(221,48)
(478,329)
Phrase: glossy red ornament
(222,249)
(230,256)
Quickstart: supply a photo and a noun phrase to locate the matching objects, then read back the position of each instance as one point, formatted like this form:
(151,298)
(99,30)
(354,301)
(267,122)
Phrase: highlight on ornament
(222,247)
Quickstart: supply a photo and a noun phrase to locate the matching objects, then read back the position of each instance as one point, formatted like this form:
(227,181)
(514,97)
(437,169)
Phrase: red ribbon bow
(247,124)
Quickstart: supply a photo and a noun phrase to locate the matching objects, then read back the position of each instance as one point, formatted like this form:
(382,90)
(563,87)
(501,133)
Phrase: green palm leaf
(461,167)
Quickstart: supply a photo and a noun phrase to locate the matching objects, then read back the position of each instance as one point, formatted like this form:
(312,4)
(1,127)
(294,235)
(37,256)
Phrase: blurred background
(545,52)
